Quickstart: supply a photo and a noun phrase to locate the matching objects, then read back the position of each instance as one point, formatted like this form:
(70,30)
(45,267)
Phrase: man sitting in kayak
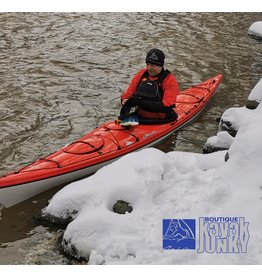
(153,92)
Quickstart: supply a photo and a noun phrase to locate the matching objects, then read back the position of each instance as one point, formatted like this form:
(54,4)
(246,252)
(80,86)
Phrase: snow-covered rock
(256,29)
(255,96)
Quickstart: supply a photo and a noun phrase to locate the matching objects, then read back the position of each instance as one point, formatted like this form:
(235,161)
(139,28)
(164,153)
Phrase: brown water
(61,75)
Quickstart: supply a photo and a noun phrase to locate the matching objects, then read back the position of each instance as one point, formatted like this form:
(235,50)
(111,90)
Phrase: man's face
(153,69)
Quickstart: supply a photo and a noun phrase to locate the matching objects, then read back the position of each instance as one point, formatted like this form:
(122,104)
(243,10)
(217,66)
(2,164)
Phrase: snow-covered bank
(157,185)
(175,185)
(256,29)
(255,96)
(235,117)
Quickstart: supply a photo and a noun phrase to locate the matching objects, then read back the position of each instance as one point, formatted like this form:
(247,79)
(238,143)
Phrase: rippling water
(61,75)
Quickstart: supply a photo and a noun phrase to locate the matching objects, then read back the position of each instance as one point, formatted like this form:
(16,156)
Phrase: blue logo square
(179,234)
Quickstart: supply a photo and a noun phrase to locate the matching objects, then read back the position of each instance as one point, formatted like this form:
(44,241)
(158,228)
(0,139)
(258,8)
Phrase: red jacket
(169,86)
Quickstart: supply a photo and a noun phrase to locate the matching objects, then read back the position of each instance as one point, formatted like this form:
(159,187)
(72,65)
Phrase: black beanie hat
(155,56)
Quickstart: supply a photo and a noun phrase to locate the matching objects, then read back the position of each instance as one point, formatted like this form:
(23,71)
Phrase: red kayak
(100,147)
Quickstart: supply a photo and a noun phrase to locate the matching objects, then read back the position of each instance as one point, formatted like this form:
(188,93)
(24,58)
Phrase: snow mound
(256,93)
(256,29)
(222,140)
(157,185)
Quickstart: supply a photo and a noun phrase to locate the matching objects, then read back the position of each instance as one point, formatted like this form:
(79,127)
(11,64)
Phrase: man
(152,91)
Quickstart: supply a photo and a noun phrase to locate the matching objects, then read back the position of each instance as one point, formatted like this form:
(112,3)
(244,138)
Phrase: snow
(256,29)
(164,186)
(222,140)
(157,185)
(237,116)
(256,93)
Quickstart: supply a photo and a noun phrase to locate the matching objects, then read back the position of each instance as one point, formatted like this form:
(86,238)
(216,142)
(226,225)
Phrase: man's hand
(124,101)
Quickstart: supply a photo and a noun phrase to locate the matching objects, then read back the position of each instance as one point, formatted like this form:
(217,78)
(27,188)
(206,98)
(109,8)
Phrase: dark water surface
(61,75)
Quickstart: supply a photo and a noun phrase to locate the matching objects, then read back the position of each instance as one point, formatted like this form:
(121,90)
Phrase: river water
(62,74)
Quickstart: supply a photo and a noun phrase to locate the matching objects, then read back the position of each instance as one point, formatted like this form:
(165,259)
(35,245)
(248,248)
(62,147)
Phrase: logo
(223,235)
(153,57)
(215,234)
(179,233)
(149,134)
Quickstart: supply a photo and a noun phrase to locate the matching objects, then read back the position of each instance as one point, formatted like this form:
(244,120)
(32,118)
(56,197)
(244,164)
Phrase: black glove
(134,101)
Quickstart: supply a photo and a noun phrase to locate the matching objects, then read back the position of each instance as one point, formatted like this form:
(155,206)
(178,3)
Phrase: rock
(222,141)
(121,207)
(255,30)
(210,149)
(226,157)
(45,219)
(228,127)
(251,104)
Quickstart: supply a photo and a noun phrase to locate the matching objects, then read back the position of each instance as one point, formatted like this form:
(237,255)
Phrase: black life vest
(151,90)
